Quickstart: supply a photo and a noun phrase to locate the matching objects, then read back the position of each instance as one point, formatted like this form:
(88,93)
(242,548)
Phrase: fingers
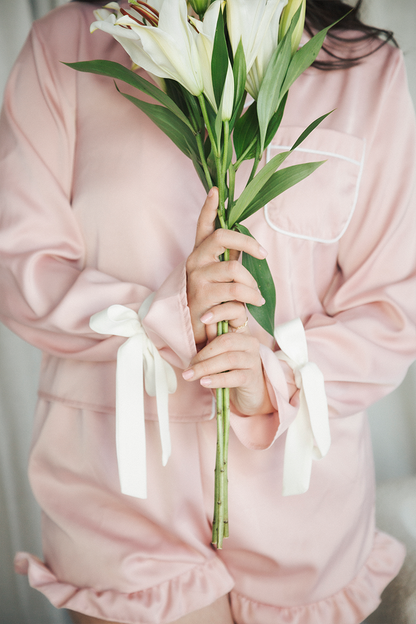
(231,311)
(211,283)
(211,287)
(232,291)
(221,282)
(206,221)
(222,239)
(211,248)
(230,361)
(233,361)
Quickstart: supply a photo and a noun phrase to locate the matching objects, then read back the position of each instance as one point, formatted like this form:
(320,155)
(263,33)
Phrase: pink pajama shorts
(309,559)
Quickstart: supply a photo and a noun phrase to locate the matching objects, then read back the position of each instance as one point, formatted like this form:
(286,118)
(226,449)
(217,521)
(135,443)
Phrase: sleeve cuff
(168,321)
(258,432)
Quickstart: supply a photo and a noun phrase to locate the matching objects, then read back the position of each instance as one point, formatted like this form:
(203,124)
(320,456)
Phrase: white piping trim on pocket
(360,164)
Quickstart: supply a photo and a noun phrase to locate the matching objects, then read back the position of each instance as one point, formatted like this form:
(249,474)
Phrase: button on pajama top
(98,207)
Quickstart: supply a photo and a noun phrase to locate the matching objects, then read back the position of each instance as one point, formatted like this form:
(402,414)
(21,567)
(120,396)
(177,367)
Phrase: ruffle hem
(186,593)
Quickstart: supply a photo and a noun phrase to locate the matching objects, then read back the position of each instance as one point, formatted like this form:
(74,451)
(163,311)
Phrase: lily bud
(286,18)
(200,6)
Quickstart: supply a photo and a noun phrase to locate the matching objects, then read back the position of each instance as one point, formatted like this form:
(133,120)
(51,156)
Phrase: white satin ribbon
(136,357)
(308,437)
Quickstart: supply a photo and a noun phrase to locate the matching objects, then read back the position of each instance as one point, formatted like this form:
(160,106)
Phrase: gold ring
(241,327)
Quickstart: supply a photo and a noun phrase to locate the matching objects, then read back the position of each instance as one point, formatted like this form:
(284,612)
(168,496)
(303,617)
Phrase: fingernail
(205,381)
(263,301)
(188,374)
(263,252)
(207,317)
(210,192)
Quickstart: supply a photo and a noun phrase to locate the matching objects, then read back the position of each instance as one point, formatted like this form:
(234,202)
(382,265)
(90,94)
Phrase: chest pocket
(320,207)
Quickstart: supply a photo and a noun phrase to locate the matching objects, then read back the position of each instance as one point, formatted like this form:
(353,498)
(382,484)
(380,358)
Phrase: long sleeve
(49,287)
(85,222)
(355,292)
(366,339)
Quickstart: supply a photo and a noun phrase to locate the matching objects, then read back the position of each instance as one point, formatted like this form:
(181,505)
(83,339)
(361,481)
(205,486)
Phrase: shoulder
(378,59)
(64,33)
(62,20)
(63,36)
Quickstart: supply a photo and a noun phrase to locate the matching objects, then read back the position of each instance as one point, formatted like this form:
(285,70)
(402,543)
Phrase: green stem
(208,125)
(218,525)
(224,474)
(243,155)
(203,159)
(220,521)
(221,192)
(254,168)
(226,140)
(221,163)
(231,188)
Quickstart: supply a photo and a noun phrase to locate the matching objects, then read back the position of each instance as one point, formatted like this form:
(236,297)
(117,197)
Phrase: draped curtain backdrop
(393,420)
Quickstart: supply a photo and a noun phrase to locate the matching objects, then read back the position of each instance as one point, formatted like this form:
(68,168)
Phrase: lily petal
(256,24)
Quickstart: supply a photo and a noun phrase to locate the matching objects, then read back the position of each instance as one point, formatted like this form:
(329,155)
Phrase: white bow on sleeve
(308,437)
(136,357)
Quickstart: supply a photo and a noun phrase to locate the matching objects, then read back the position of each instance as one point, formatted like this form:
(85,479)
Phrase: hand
(217,291)
(233,361)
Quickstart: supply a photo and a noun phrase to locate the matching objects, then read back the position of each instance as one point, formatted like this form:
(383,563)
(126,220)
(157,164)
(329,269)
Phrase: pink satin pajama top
(98,207)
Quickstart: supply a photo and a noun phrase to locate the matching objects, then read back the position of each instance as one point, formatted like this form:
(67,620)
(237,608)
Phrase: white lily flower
(205,45)
(256,24)
(268,46)
(199,6)
(287,15)
(104,15)
(166,49)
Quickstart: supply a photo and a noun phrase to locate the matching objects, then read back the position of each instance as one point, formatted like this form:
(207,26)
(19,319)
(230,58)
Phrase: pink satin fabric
(98,207)
(310,559)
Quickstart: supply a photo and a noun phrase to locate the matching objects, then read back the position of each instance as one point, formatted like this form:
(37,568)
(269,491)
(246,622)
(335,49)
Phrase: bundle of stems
(210,126)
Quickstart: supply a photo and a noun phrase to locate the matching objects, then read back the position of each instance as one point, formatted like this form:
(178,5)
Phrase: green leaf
(219,61)
(275,121)
(212,119)
(259,269)
(278,183)
(115,70)
(187,102)
(237,113)
(240,76)
(167,121)
(217,128)
(210,158)
(251,191)
(309,129)
(305,56)
(200,171)
(245,132)
(242,208)
(269,94)
(174,91)
(229,153)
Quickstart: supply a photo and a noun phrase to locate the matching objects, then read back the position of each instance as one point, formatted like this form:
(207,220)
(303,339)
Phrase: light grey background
(393,420)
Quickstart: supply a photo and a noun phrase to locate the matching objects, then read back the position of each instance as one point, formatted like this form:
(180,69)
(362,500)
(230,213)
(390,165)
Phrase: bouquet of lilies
(205,56)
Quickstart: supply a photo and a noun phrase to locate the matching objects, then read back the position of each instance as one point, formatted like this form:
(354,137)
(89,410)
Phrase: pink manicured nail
(263,252)
(207,317)
(205,381)
(263,301)
(188,374)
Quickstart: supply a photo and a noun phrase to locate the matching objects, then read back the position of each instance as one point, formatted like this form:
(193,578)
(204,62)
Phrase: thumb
(206,221)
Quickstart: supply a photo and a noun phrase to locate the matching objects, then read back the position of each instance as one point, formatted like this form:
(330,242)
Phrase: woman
(99,208)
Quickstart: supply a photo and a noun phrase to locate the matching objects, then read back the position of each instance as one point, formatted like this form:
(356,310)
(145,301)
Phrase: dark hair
(350,35)
(342,49)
